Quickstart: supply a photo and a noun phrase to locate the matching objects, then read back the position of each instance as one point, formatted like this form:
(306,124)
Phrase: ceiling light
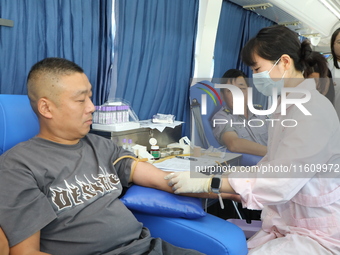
(315,40)
(253,7)
(311,35)
(293,23)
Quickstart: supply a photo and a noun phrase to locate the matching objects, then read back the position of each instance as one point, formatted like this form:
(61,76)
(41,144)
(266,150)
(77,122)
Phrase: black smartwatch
(216,184)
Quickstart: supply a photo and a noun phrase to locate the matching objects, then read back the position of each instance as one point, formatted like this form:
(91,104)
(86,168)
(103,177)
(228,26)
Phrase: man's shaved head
(42,80)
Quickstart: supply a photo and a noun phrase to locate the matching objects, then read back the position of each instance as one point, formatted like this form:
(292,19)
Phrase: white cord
(221,201)
(235,205)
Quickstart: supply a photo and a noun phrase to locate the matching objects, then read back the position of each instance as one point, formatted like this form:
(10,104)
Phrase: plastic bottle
(129,148)
(100,114)
(119,114)
(155,152)
(107,115)
(127,115)
(124,144)
(123,113)
(114,114)
(95,115)
(104,115)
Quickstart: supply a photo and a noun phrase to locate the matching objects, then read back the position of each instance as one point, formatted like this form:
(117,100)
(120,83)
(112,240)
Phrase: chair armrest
(249,159)
(162,203)
(209,234)
(180,221)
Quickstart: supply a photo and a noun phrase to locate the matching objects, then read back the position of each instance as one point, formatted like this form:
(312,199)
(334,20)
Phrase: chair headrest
(18,122)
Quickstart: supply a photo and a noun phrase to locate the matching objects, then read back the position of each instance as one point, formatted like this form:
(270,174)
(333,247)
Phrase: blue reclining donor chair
(203,134)
(177,219)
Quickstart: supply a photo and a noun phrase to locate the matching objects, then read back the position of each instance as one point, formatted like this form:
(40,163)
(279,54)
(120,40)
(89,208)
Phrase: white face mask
(265,84)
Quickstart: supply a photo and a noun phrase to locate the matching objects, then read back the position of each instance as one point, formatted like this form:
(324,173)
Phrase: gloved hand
(181,182)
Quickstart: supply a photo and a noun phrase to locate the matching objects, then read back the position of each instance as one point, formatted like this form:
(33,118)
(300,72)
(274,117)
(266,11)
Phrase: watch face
(215,183)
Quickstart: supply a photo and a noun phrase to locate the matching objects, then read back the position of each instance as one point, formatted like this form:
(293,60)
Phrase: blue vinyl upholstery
(213,105)
(18,122)
(162,203)
(208,234)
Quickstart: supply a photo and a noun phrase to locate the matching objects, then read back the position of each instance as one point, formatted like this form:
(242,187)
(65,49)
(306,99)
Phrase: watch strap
(216,183)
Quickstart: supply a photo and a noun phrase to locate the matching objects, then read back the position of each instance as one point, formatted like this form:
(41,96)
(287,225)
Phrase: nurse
(296,184)
(334,67)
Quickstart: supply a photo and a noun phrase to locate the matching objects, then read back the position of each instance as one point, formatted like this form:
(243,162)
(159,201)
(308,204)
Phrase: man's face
(73,108)
(238,82)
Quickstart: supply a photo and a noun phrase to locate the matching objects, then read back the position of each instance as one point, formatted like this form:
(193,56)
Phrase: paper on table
(158,126)
(174,165)
(177,164)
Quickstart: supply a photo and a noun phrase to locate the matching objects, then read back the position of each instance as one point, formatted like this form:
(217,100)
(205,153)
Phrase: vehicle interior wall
(151,58)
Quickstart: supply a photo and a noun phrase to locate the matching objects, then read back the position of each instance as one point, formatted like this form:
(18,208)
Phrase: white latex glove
(181,182)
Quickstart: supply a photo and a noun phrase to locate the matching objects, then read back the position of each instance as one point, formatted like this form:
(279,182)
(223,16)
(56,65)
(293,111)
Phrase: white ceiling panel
(309,18)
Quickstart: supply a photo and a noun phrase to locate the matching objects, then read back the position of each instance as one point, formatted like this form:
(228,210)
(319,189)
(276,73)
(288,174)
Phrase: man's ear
(44,107)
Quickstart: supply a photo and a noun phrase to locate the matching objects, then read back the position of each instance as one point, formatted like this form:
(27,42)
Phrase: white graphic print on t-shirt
(76,193)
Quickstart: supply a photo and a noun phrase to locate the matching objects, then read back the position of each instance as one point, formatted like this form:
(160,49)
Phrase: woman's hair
(319,65)
(335,59)
(231,75)
(324,85)
(272,42)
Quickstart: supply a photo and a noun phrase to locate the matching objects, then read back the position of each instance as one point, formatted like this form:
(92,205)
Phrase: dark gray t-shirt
(70,193)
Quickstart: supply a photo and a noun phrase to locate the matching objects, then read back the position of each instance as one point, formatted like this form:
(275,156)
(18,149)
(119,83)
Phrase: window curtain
(236,27)
(154,55)
(79,30)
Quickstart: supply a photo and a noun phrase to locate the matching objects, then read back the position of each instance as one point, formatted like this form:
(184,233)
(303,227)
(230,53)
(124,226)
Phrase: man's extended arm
(148,175)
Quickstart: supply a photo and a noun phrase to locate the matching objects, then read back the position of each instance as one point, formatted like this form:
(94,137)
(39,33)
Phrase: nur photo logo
(239,105)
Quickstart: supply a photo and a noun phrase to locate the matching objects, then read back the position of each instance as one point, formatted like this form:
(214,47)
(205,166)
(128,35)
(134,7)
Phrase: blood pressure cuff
(162,203)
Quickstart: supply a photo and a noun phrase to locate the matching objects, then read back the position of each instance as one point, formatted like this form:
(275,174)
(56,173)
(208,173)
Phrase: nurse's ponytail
(272,42)
(312,61)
